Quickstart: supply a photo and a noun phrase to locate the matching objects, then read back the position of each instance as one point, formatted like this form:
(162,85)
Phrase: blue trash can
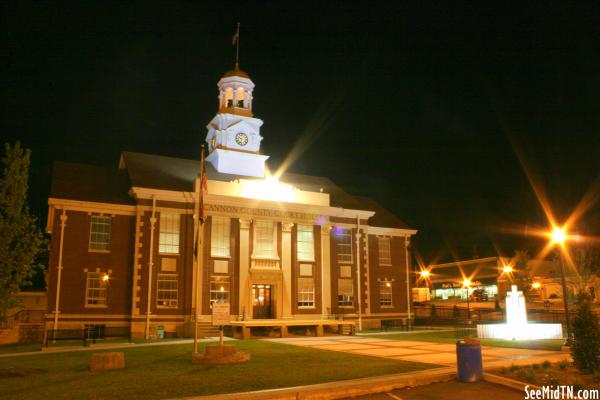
(468,360)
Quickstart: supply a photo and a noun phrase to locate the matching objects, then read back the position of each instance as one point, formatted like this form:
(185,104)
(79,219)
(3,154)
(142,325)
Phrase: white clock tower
(234,134)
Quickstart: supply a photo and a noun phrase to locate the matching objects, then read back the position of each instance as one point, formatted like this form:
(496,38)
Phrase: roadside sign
(220,314)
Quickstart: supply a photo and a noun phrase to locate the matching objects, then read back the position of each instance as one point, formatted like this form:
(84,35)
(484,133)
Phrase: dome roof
(236,72)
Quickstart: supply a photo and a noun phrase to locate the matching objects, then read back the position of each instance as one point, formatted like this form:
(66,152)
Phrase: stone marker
(224,354)
(109,360)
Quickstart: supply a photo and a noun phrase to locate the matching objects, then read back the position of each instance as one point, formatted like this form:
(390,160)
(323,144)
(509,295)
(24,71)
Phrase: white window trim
(346,262)
(87,288)
(353,294)
(161,231)
(176,280)
(312,259)
(383,264)
(391,305)
(228,219)
(109,235)
(314,294)
(275,256)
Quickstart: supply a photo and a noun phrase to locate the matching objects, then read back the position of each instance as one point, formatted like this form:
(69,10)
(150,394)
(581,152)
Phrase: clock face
(241,139)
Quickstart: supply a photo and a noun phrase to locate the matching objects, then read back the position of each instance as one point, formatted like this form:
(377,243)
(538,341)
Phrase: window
(306,293)
(345,293)
(385,294)
(306,243)
(264,239)
(240,97)
(229,97)
(385,254)
(168,240)
(343,244)
(100,233)
(219,237)
(219,288)
(166,290)
(95,289)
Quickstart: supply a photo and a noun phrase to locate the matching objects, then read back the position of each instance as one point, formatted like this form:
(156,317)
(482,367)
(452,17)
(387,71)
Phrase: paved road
(452,390)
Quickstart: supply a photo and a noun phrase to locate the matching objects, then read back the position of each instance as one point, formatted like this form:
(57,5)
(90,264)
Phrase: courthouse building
(290,248)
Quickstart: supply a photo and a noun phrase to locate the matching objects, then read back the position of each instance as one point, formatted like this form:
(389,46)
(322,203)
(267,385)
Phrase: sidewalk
(426,352)
(70,349)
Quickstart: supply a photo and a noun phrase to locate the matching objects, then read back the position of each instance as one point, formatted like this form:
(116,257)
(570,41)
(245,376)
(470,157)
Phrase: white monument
(516,326)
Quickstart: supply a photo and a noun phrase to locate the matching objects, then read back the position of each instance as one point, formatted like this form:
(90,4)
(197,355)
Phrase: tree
(586,335)
(21,240)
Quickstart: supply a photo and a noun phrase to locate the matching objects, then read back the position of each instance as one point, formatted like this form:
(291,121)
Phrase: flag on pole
(203,191)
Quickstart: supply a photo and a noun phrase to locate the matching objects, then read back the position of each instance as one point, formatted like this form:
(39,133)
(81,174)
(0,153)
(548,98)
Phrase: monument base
(220,354)
(528,331)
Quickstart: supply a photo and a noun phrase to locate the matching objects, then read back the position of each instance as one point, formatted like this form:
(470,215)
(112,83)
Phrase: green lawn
(452,337)
(19,348)
(157,372)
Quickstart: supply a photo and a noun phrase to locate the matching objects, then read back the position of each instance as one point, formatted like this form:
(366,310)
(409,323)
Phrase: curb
(340,389)
(508,382)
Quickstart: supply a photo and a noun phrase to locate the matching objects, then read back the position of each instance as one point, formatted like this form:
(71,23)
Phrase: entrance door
(261,302)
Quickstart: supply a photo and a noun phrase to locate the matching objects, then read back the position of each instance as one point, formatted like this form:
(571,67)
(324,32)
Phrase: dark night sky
(419,105)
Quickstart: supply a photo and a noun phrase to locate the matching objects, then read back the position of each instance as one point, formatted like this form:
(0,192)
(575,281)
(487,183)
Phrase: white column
(286,268)
(244,268)
(326,294)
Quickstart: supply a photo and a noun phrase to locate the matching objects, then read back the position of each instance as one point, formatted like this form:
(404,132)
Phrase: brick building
(287,247)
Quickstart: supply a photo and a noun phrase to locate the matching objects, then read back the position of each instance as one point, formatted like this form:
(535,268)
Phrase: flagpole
(198,248)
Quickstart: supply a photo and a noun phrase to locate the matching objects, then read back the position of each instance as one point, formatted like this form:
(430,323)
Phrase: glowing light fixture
(536,285)
(105,278)
(559,235)
(467,282)
(387,284)
(507,269)
(268,189)
(425,273)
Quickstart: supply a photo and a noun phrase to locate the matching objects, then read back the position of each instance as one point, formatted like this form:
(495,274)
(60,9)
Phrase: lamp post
(559,237)
(467,283)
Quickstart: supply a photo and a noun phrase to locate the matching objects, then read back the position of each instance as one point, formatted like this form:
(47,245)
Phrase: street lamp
(467,283)
(559,236)
(507,269)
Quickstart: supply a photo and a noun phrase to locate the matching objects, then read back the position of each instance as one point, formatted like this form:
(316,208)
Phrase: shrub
(551,379)
(455,311)
(564,364)
(526,374)
(586,336)
(513,368)
(536,366)
(546,364)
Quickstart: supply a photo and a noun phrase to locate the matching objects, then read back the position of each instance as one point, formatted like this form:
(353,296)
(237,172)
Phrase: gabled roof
(111,185)
(90,183)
